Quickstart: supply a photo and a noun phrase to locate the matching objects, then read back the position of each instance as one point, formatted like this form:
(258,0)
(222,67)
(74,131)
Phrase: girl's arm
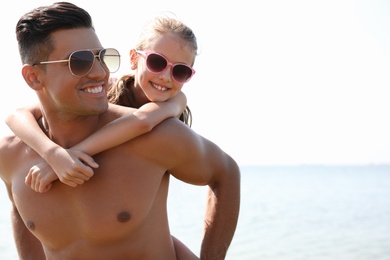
(32,135)
(71,167)
(130,126)
(114,133)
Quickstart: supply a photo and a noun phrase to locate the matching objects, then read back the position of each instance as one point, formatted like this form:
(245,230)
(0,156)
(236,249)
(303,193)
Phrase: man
(120,213)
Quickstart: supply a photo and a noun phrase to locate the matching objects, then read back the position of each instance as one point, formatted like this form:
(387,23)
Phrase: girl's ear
(133,59)
(31,75)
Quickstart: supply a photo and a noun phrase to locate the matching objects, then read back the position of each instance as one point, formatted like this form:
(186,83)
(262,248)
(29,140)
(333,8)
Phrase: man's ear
(32,76)
(133,59)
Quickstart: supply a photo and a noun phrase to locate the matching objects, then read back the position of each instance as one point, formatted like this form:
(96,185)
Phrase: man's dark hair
(34,29)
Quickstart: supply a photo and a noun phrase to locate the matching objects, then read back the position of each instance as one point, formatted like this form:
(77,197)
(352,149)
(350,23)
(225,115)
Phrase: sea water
(300,213)
(287,213)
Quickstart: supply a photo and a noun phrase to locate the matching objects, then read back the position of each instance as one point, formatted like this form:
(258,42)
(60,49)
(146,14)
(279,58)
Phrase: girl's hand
(72,167)
(40,177)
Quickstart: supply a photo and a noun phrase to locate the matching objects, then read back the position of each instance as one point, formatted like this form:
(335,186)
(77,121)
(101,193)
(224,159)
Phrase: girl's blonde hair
(165,25)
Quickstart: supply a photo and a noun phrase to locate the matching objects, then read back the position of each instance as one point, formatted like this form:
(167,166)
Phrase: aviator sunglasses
(157,63)
(81,62)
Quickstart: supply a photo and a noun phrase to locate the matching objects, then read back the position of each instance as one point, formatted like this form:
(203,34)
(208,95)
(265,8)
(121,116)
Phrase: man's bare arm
(198,161)
(223,205)
(27,244)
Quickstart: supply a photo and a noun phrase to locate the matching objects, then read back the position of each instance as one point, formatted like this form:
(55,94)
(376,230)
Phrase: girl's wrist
(49,152)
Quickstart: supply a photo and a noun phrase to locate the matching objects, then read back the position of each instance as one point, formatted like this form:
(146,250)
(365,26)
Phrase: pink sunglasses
(156,63)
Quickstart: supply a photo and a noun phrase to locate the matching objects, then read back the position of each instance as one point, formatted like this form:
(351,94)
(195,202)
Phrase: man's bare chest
(109,206)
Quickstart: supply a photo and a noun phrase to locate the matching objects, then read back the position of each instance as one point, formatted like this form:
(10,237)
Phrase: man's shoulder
(172,131)
(10,148)
(8,140)
(173,126)
(9,143)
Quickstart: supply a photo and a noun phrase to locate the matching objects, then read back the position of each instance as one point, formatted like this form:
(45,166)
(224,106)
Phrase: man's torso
(120,211)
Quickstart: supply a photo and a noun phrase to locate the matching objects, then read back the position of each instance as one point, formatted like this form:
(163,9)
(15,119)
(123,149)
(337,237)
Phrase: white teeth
(159,87)
(94,90)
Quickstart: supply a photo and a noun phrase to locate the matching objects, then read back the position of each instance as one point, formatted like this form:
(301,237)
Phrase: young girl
(162,62)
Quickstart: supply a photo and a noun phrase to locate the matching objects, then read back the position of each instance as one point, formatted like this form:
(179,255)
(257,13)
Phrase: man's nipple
(30,225)
(124,216)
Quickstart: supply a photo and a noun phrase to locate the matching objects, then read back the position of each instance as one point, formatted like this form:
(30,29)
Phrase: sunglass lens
(111,59)
(81,62)
(156,63)
(181,73)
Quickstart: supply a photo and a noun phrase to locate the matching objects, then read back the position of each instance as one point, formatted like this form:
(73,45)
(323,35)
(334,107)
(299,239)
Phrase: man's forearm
(221,217)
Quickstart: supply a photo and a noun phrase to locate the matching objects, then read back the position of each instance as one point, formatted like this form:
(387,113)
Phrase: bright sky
(277,82)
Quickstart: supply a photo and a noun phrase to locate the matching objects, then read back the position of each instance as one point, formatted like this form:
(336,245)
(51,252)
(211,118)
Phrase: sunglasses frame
(99,56)
(146,54)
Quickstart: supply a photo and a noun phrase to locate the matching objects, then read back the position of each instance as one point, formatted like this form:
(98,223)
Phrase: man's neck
(68,133)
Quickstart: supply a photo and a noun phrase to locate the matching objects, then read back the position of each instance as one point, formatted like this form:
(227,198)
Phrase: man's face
(65,94)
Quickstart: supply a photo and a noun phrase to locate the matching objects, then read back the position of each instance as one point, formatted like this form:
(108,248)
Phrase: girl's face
(160,86)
